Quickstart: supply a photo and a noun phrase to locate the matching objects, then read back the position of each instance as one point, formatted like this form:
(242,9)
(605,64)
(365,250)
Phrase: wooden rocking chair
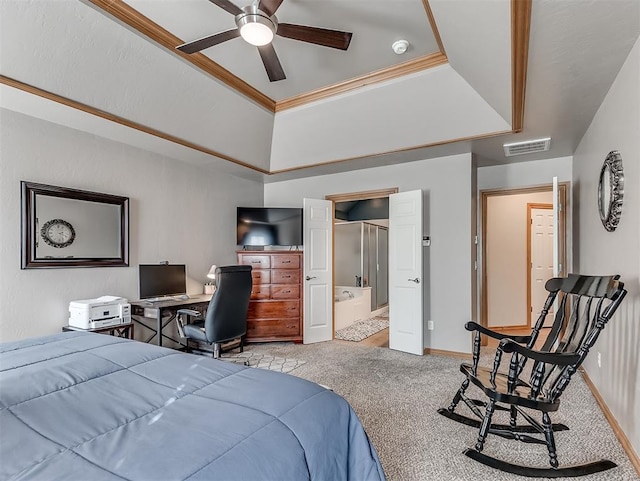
(585,304)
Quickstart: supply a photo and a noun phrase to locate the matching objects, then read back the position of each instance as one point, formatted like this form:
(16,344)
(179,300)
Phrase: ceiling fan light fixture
(256,27)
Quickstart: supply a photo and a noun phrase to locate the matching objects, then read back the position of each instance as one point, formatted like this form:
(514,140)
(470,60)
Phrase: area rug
(252,358)
(360,330)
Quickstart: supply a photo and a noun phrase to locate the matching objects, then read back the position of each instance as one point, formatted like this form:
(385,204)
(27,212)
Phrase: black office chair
(226,316)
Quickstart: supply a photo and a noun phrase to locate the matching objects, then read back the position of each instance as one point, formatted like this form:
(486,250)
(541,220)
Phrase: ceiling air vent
(527,147)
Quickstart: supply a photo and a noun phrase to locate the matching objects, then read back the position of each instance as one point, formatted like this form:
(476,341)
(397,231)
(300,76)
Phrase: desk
(161,308)
(119,330)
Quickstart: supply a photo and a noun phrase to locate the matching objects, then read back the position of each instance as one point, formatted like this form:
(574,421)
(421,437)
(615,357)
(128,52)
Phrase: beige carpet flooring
(396,396)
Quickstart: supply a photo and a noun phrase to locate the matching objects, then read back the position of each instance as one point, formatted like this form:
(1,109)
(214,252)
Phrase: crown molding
(124,13)
(395,151)
(390,73)
(122,121)
(134,19)
(520,32)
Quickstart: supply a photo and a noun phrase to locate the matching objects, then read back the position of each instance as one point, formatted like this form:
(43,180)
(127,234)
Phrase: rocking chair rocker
(586,303)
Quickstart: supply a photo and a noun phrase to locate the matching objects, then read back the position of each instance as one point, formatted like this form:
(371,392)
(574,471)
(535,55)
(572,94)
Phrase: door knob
(309,278)
(416,280)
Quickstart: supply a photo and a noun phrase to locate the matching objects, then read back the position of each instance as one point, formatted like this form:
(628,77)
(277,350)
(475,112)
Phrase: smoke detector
(400,46)
(527,147)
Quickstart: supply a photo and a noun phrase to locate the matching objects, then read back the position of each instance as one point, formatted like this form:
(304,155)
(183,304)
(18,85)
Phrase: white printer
(103,311)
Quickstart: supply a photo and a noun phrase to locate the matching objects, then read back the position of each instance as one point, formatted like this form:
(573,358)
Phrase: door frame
(531,206)
(345,197)
(563,192)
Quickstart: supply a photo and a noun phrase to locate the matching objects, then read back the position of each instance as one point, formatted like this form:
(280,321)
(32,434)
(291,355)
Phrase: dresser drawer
(260,277)
(256,261)
(285,276)
(273,309)
(268,328)
(261,291)
(285,262)
(285,291)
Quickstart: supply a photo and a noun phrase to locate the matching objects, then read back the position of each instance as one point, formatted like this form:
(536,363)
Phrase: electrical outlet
(599,360)
(430,325)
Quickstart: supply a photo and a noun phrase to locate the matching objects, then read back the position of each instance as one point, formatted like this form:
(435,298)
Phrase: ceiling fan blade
(319,36)
(208,41)
(269,6)
(232,8)
(271,63)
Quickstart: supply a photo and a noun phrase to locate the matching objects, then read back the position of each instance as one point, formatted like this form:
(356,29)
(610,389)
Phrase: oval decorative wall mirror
(611,191)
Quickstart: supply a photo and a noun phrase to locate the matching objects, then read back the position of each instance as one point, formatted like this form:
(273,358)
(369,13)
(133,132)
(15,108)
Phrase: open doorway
(361,277)
(518,238)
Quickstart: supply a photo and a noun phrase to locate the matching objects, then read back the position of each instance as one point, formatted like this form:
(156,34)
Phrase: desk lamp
(210,286)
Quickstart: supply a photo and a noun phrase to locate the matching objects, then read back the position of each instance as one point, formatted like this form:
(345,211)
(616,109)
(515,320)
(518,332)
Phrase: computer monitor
(159,280)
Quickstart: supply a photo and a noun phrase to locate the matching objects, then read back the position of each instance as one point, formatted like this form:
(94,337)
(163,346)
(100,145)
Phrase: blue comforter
(82,406)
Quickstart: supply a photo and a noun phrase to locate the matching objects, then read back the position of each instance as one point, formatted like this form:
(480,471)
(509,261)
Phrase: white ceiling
(79,53)
(376,24)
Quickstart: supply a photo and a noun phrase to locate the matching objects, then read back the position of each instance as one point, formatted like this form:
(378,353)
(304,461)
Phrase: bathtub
(351,304)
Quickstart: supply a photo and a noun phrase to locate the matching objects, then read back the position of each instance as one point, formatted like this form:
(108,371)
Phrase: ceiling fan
(257,24)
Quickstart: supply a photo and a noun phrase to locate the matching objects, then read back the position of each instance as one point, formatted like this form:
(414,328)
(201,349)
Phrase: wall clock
(58,233)
(611,191)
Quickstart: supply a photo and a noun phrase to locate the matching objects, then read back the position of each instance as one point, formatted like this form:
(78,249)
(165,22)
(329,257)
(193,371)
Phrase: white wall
(383,117)
(524,174)
(446,186)
(178,212)
(596,251)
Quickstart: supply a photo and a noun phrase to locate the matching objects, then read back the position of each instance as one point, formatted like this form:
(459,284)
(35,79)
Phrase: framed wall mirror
(611,191)
(64,227)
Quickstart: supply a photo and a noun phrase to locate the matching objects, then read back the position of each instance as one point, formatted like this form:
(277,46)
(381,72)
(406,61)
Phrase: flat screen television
(269,226)
(161,280)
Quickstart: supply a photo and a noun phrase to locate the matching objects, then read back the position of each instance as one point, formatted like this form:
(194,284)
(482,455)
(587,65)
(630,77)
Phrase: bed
(96,407)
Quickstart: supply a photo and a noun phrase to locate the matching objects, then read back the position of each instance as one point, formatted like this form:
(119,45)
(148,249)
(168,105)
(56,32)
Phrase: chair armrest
(559,358)
(180,322)
(474,326)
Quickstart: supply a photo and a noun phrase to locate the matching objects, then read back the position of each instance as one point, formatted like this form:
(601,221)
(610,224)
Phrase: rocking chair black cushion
(226,316)
(585,305)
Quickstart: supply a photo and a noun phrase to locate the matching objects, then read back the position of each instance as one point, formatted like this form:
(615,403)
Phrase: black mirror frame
(29,190)
(610,209)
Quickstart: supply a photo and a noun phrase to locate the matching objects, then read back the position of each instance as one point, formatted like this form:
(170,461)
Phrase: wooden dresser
(275,309)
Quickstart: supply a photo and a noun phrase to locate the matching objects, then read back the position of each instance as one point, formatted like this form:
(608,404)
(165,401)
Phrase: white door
(405,272)
(318,275)
(556,224)
(542,269)
(557,238)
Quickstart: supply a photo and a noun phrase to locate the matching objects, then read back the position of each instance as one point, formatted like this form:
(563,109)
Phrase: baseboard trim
(617,430)
(441,352)
(514,327)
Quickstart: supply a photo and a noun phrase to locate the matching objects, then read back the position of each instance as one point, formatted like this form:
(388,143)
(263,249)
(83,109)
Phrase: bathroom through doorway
(361,260)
